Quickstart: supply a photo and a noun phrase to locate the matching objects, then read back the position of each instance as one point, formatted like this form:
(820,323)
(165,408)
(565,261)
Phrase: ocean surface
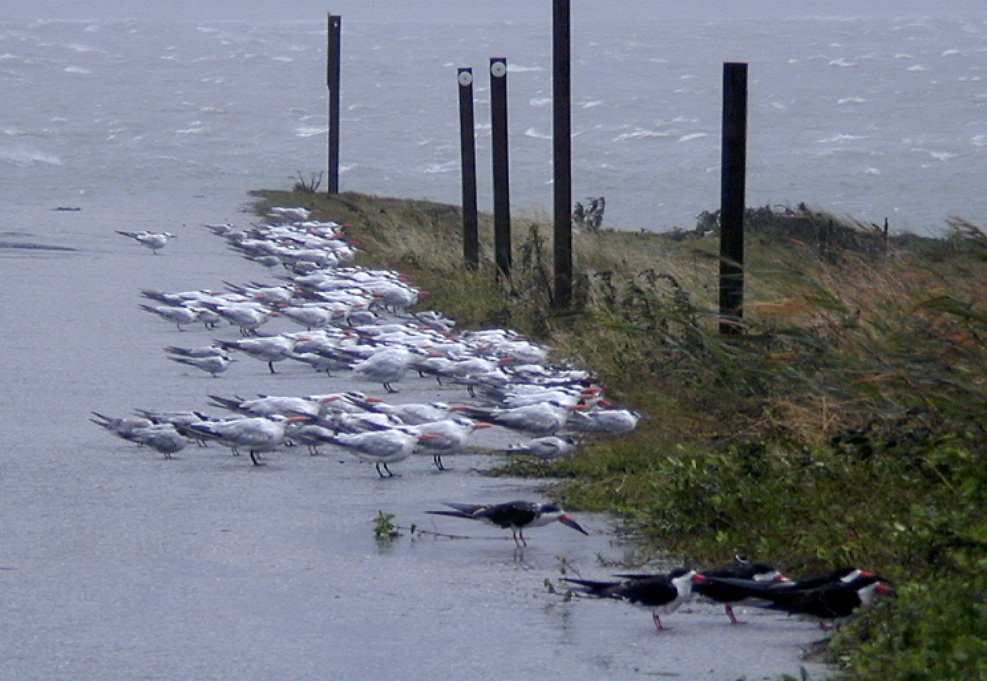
(873,117)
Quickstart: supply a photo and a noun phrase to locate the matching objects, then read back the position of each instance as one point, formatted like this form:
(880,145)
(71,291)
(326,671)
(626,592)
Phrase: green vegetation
(845,426)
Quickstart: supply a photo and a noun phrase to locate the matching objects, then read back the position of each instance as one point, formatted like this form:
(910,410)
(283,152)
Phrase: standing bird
(515,515)
(385,367)
(163,438)
(268,349)
(543,418)
(721,592)
(380,447)
(153,240)
(258,434)
(214,365)
(662,594)
(831,601)
(125,427)
(176,315)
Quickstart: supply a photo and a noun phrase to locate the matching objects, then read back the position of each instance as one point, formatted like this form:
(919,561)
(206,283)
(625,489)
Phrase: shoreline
(771,444)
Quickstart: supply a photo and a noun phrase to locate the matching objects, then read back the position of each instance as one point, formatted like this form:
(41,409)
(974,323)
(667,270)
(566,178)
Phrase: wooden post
(332,82)
(562,148)
(467,146)
(501,178)
(732,187)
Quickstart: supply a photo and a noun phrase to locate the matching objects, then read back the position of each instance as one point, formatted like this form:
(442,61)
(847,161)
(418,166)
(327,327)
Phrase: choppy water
(870,116)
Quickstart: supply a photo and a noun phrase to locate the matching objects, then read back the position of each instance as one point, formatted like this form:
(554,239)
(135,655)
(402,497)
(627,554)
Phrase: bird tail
(181,360)
(591,587)
(452,514)
(222,402)
(175,350)
(476,413)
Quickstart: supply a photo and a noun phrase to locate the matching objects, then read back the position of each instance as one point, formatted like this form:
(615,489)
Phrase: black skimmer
(662,594)
(728,595)
(826,597)
(515,515)
(723,592)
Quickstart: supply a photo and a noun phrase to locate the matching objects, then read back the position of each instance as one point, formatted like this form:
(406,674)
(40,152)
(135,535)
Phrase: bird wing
(468,509)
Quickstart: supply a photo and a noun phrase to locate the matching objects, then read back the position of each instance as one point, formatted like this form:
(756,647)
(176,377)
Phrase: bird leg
(389,473)
(520,533)
(253,458)
(514,536)
(437,460)
(236,452)
(729,611)
(388,388)
(270,365)
(377,466)
(658,626)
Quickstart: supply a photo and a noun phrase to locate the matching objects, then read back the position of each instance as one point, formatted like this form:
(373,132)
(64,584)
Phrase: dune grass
(846,425)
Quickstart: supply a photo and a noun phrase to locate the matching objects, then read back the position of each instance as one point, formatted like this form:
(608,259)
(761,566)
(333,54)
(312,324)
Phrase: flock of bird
(358,320)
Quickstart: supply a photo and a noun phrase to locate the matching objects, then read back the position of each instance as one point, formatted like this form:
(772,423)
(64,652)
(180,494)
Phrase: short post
(501,179)
(562,148)
(732,187)
(332,82)
(467,148)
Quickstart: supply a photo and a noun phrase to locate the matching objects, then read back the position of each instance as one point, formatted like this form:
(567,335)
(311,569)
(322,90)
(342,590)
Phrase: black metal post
(562,147)
(732,187)
(332,82)
(501,178)
(467,147)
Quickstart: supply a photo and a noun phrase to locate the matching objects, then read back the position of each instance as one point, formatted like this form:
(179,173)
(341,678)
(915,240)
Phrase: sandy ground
(116,564)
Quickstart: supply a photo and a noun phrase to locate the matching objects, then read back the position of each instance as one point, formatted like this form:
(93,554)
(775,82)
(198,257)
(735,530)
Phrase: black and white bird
(720,591)
(662,594)
(513,515)
(832,601)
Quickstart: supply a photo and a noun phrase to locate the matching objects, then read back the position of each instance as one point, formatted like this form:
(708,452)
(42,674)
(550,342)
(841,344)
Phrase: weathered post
(332,82)
(562,148)
(467,147)
(732,186)
(501,179)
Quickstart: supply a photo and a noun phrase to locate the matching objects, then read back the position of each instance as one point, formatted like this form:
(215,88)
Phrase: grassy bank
(846,424)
